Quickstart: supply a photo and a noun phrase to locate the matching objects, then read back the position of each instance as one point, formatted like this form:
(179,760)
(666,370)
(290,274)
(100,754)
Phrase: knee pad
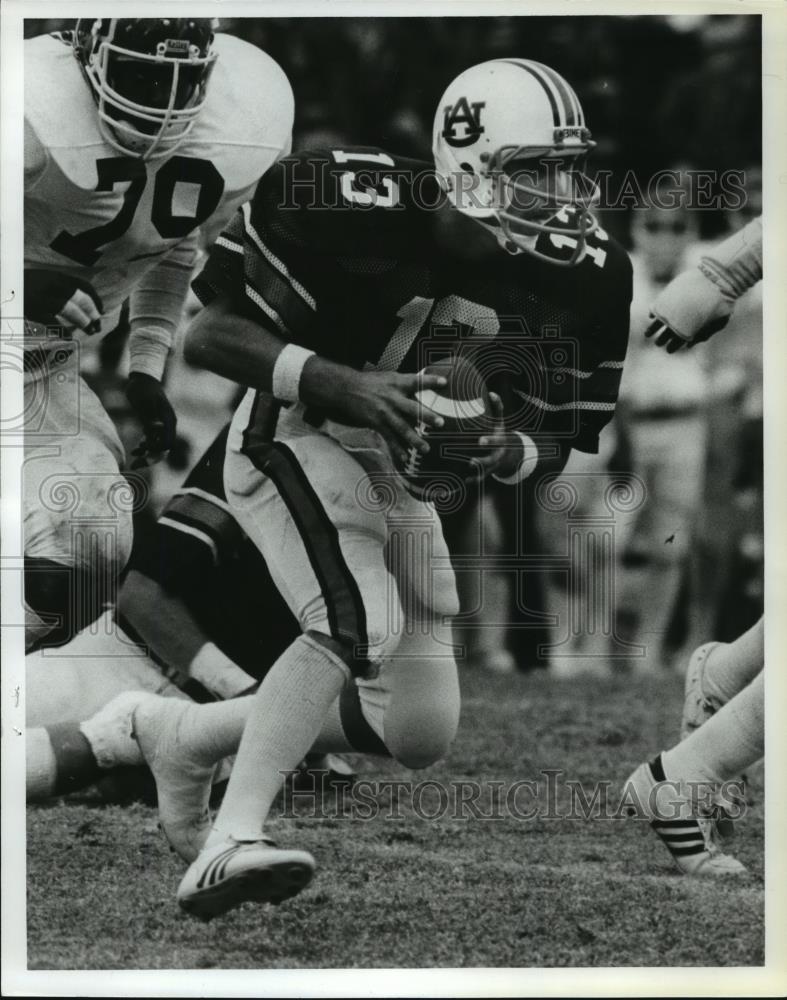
(425,733)
(422,714)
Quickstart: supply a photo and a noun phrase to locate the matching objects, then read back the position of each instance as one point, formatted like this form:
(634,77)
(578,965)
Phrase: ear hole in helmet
(467,166)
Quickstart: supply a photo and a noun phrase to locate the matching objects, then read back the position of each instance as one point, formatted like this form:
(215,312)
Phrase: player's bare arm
(166,624)
(239,349)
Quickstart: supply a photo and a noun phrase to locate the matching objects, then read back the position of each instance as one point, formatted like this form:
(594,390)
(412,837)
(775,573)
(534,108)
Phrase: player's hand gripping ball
(465,405)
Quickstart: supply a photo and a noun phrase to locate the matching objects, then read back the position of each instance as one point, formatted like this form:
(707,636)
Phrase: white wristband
(287,372)
(526,466)
(218,673)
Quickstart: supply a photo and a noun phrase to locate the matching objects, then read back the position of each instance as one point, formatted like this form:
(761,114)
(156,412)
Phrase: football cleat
(242,871)
(183,784)
(688,833)
(697,707)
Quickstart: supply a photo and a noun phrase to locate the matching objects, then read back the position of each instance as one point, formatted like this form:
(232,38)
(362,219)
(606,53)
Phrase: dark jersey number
(184,170)
(85,247)
(112,170)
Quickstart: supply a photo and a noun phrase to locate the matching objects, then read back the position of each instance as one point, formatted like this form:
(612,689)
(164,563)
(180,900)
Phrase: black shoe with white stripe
(240,871)
(688,834)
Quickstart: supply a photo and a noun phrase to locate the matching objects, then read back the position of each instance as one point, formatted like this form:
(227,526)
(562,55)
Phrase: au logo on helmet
(462,122)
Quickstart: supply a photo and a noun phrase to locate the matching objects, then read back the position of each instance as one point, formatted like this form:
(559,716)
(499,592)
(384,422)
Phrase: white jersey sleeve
(156,307)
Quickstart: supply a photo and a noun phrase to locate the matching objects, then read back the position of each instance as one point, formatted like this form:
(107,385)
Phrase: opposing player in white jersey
(142,137)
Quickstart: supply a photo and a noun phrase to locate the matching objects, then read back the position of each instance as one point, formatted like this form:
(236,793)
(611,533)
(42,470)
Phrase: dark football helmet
(149,77)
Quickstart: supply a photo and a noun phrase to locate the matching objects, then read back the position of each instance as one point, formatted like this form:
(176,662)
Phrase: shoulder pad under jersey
(60,110)
(246,123)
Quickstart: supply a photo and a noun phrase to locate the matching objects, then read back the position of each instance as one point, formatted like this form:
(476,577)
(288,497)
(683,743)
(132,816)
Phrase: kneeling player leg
(78,531)
(413,704)
(325,553)
(285,718)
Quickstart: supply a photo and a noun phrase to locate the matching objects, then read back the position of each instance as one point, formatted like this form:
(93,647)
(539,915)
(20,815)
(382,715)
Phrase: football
(465,407)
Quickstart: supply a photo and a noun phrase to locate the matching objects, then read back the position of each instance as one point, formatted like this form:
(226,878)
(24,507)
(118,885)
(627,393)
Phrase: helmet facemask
(148,102)
(537,191)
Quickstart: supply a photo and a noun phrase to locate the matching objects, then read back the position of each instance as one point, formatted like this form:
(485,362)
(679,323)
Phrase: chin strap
(497,231)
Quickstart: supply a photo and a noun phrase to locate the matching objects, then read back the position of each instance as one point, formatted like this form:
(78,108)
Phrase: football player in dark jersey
(349,271)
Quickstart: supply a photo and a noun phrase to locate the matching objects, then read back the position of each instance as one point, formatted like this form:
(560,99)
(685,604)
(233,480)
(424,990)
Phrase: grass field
(393,892)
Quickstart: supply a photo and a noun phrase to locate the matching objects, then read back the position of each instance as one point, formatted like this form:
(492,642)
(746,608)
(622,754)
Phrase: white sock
(332,738)
(40,765)
(59,760)
(286,715)
(211,732)
(733,665)
(729,742)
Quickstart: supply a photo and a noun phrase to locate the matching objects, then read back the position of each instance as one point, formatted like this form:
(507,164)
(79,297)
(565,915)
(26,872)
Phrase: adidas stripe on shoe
(235,871)
(688,834)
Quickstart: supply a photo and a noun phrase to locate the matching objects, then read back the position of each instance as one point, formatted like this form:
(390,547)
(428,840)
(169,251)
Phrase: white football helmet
(509,144)
(149,77)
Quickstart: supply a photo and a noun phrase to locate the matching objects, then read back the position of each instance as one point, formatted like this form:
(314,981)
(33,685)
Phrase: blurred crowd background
(659,92)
